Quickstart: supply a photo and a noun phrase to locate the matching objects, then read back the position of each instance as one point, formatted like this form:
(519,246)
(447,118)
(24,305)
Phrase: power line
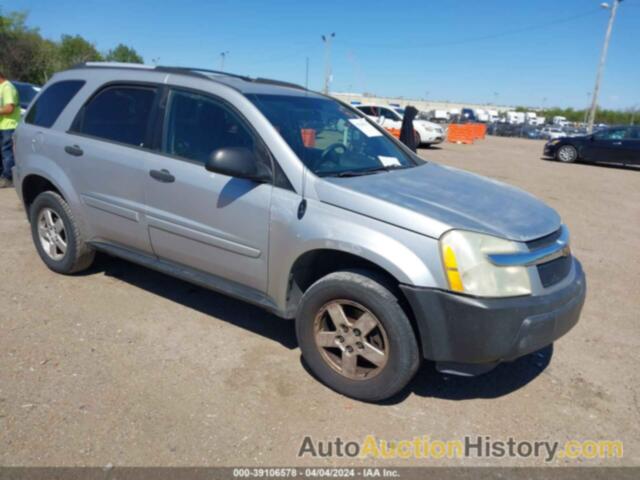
(538,26)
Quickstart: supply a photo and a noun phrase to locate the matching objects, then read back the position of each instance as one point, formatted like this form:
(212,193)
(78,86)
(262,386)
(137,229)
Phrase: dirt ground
(125,366)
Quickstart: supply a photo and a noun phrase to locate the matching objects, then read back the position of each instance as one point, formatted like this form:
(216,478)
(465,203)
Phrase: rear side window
(118,114)
(53,100)
(633,134)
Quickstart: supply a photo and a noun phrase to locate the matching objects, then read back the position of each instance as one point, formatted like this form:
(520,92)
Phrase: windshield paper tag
(389,161)
(365,127)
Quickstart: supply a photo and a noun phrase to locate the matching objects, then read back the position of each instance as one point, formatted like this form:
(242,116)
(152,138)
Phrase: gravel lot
(125,366)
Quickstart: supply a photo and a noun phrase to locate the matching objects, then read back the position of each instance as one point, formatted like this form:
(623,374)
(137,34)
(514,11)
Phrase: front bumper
(433,138)
(549,150)
(469,333)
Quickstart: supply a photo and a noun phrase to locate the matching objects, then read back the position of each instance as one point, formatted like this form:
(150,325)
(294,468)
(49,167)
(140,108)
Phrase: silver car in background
(298,203)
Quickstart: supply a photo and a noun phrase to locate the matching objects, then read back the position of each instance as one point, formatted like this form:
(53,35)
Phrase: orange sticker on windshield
(308,137)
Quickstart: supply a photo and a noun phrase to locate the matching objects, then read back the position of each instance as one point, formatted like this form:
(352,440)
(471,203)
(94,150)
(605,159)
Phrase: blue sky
(534,52)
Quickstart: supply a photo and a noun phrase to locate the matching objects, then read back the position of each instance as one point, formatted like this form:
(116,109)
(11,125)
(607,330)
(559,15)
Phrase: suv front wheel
(56,235)
(355,336)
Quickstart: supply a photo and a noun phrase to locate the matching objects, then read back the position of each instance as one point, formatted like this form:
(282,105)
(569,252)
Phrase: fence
(466,133)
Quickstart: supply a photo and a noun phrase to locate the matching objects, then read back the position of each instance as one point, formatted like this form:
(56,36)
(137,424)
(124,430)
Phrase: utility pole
(306,75)
(223,56)
(603,58)
(586,110)
(327,59)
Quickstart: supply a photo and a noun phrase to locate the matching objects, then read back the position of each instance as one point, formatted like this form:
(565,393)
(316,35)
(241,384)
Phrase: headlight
(468,269)
(554,141)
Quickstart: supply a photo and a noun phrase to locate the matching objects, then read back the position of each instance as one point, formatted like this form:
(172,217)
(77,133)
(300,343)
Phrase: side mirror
(238,162)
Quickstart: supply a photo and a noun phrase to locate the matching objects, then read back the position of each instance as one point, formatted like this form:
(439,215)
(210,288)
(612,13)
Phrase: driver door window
(196,125)
(388,114)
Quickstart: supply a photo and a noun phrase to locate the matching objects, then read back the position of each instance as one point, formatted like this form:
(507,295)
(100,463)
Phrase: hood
(429,124)
(431,199)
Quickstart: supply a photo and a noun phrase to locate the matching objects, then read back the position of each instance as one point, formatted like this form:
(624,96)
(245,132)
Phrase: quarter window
(52,102)
(197,125)
(119,114)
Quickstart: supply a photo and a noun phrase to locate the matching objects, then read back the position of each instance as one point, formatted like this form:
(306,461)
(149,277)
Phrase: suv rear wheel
(355,336)
(56,235)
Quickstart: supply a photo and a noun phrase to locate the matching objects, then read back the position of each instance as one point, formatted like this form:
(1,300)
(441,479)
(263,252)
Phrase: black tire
(417,139)
(567,154)
(403,354)
(78,255)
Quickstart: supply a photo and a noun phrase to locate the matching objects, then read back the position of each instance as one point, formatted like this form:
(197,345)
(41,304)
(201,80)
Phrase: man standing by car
(9,118)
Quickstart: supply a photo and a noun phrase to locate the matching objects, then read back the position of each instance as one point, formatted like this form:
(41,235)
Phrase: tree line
(27,56)
(610,117)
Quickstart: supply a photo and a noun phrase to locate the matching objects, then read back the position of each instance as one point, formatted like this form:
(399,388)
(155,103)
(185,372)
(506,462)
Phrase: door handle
(74,150)
(617,143)
(162,175)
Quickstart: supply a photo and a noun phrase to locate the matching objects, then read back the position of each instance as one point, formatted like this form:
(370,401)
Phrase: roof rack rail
(193,71)
(139,66)
(163,68)
(278,82)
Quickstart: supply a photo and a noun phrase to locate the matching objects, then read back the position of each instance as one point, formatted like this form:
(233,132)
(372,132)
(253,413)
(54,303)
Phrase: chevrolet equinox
(296,202)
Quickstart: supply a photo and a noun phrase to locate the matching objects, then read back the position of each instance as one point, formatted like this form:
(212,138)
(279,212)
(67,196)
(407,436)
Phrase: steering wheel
(329,151)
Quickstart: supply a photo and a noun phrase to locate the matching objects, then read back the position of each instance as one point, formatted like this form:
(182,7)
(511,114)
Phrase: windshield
(329,138)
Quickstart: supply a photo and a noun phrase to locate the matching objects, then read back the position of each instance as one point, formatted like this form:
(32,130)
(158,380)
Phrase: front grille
(554,271)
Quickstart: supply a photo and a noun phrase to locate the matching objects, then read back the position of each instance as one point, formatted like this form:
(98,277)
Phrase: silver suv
(298,203)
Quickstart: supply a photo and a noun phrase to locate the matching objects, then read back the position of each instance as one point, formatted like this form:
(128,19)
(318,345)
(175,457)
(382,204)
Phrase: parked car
(619,145)
(552,133)
(300,204)
(531,131)
(428,133)
(26,93)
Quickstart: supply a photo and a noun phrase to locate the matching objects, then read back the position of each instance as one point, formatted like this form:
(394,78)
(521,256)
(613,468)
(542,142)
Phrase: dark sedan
(619,145)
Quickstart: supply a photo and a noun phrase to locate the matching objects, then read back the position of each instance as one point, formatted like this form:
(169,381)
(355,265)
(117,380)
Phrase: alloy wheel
(351,339)
(52,234)
(567,154)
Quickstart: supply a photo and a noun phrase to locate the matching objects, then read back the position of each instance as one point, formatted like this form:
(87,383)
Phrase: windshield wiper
(366,171)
